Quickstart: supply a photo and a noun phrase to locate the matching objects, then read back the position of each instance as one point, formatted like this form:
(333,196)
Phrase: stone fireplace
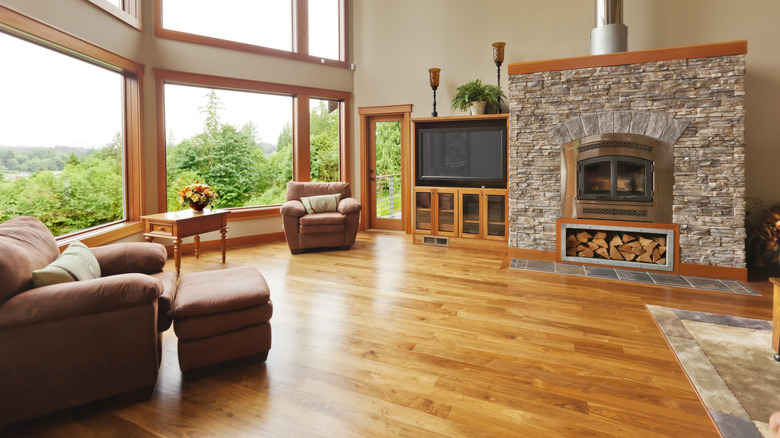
(655,136)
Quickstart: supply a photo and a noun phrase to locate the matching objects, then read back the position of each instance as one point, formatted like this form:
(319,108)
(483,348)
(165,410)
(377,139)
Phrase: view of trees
(75,188)
(232,160)
(68,189)
(388,162)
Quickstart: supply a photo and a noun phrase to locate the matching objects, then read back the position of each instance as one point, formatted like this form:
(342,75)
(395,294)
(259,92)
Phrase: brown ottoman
(220,316)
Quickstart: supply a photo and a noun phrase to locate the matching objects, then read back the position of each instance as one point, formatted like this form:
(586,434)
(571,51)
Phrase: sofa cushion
(26,245)
(76,263)
(314,229)
(322,219)
(208,292)
(321,203)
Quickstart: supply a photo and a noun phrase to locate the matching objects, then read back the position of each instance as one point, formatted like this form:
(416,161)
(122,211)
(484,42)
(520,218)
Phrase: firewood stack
(620,246)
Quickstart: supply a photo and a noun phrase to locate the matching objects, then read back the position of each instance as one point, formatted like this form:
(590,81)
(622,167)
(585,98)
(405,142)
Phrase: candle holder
(433,74)
(498,58)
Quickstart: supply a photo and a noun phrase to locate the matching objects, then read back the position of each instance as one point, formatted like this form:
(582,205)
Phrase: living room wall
(396,42)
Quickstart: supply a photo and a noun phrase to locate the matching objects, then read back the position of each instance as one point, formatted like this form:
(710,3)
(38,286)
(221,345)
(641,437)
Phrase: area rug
(729,361)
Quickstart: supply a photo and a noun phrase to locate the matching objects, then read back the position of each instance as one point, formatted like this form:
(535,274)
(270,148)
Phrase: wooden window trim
(301,140)
(37,32)
(300,40)
(129,14)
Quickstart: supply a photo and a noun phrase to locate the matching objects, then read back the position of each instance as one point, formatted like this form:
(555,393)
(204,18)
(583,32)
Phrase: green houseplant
(475,91)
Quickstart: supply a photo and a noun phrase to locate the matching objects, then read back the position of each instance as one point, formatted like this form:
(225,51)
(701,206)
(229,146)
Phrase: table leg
(223,232)
(149,239)
(776,321)
(177,256)
(197,246)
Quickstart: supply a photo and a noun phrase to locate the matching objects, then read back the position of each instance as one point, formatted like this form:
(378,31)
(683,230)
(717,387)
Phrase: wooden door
(385,182)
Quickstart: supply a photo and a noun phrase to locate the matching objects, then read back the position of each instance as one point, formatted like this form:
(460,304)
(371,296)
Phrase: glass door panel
(422,210)
(496,215)
(470,211)
(446,212)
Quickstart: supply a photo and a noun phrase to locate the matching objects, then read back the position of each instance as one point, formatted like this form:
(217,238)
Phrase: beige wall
(88,22)
(397,41)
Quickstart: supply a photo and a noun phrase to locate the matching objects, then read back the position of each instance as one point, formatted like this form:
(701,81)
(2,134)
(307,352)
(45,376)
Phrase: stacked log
(621,246)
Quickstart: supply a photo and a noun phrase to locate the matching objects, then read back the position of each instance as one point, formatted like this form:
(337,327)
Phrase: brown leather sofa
(71,343)
(319,230)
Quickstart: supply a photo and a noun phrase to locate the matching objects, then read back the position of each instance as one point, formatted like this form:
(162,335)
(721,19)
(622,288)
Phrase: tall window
(324,140)
(308,30)
(238,142)
(61,138)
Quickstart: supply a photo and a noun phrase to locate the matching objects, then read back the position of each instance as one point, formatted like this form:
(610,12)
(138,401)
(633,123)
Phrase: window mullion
(301,26)
(301,139)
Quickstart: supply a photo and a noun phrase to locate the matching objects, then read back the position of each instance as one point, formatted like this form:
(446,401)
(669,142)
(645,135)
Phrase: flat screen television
(466,154)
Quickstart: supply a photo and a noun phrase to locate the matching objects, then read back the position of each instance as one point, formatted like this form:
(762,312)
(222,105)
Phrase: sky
(49,99)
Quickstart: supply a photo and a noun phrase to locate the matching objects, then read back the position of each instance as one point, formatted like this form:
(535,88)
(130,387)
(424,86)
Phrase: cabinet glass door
(496,215)
(422,211)
(470,202)
(446,213)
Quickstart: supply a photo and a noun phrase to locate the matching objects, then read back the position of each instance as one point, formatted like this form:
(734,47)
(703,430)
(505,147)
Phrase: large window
(70,143)
(238,142)
(307,30)
(61,138)
(247,139)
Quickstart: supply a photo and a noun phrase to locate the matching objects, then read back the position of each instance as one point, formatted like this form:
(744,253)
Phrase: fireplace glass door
(615,178)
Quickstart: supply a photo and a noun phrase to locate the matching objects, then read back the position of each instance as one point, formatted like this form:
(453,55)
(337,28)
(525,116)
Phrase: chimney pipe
(610,34)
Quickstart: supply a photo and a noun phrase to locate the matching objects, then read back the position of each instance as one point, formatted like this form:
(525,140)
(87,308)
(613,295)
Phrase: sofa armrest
(293,207)
(132,257)
(349,205)
(79,298)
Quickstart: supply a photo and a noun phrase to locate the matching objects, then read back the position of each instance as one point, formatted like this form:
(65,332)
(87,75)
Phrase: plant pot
(477,108)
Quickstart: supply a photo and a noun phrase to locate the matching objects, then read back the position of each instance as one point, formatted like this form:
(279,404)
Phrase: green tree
(324,143)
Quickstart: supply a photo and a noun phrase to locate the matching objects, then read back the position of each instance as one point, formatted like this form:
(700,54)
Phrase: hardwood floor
(397,339)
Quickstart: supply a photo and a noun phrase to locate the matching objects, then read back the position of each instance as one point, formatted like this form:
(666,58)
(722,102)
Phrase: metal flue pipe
(610,34)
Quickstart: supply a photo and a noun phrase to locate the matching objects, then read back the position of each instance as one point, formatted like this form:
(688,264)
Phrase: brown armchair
(319,230)
(71,343)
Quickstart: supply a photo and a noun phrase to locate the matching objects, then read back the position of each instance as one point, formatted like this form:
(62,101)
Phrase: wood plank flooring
(397,339)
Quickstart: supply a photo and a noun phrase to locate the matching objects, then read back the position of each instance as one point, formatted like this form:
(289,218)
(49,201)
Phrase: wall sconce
(498,58)
(433,74)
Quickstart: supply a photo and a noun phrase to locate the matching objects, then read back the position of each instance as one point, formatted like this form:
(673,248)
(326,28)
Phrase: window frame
(130,13)
(300,128)
(300,51)
(31,30)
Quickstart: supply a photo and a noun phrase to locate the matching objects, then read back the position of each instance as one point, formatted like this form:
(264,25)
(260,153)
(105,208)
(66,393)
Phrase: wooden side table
(180,224)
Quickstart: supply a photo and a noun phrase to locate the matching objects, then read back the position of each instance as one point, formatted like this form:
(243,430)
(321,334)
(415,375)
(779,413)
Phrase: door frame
(367,114)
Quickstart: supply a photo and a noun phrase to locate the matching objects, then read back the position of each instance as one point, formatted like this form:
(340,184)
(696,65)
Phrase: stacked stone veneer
(699,102)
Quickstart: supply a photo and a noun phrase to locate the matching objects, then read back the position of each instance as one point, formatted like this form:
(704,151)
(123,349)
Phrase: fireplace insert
(615,178)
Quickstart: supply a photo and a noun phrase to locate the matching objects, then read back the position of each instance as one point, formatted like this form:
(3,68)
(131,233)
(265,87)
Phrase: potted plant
(474,96)
(763,236)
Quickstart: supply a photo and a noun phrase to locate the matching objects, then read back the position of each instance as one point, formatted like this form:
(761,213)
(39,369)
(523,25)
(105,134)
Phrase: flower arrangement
(197,196)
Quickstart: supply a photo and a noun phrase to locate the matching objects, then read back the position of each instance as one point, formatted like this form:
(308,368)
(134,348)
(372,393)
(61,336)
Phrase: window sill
(244,47)
(254,212)
(102,234)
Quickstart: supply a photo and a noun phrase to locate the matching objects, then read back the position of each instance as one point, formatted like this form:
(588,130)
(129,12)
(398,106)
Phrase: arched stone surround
(696,103)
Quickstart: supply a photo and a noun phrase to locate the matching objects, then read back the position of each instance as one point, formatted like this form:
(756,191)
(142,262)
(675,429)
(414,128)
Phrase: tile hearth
(699,283)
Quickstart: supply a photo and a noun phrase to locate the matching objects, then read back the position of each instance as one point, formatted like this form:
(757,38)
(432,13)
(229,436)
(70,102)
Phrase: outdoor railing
(388,196)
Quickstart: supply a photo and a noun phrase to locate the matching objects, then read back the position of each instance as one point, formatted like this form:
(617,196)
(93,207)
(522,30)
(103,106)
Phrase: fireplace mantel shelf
(623,58)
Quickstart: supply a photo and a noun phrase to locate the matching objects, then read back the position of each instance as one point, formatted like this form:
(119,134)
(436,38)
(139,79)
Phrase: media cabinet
(457,211)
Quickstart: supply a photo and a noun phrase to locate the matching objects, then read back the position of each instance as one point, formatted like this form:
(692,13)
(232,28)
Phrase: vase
(197,208)
(478,107)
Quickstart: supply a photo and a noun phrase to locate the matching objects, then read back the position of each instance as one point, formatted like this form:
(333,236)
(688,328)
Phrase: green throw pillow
(75,263)
(321,203)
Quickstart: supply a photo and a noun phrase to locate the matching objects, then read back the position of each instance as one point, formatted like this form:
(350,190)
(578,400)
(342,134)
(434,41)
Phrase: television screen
(464,156)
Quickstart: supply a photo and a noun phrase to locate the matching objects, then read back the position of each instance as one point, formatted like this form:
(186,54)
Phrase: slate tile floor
(701,283)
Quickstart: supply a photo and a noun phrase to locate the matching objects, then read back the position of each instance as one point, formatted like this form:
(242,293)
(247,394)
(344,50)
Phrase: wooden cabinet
(483,213)
(472,213)
(436,211)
